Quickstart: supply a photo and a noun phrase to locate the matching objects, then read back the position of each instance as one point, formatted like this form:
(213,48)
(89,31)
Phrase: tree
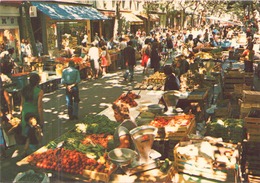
(118,23)
(150,7)
(29,28)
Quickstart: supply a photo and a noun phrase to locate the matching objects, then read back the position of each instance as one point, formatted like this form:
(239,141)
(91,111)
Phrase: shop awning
(69,12)
(110,14)
(131,18)
(153,17)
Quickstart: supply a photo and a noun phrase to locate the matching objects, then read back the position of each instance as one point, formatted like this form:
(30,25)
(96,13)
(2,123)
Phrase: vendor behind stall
(171,81)
(248,55)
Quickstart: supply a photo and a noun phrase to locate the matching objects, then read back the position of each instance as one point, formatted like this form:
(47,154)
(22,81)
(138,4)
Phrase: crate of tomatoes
(174,127)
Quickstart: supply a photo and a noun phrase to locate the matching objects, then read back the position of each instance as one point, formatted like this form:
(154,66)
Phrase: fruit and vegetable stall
(199,136)
(218,156)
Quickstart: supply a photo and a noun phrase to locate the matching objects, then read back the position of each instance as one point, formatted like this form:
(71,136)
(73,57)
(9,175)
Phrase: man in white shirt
(93,54)
(122,45)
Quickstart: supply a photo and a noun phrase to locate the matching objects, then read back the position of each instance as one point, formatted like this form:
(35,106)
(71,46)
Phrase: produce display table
(147,98)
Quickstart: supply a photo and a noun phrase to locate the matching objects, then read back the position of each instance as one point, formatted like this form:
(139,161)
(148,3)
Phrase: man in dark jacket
(130,61)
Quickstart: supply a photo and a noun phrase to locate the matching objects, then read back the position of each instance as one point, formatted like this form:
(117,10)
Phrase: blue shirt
(70,75)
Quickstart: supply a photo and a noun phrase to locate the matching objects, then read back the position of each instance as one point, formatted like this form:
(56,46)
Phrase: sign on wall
(33,11)
(8,21)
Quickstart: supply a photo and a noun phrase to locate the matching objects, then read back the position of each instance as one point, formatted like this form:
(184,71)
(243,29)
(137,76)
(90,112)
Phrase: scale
(144,158)
(171,99)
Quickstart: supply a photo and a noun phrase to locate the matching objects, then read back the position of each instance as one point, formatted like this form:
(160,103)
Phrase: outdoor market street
(95,96)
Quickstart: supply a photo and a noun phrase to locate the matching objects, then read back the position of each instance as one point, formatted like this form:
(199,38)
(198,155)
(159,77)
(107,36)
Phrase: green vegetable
(97,124)
(230,130)
(166,165)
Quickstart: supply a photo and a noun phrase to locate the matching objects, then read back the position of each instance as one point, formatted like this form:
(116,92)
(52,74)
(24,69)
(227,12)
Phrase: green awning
(59,11)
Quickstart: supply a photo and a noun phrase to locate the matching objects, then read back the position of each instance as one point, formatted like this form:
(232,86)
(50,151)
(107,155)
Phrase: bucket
(20,81)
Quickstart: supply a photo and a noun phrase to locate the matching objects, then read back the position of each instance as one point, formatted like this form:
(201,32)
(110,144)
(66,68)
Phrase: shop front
(9,28)
(132,22)
(66,24)
(108,26)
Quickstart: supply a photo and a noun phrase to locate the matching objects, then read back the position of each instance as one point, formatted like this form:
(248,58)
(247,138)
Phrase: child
(34,133)
(104,62)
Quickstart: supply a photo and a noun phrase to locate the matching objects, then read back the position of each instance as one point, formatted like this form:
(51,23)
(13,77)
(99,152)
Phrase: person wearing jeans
(71,78)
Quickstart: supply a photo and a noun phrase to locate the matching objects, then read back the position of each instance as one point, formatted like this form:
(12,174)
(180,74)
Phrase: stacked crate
(230,79)
(238,89)
(251,161)
(250,99)
(251,148)
(252,125)
(249,78)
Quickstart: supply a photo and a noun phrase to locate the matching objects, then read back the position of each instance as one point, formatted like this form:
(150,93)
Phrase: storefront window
(9,39)
(66,34)
(52,36)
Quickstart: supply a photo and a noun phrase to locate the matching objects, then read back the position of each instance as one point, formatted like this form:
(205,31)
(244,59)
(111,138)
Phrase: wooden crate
(252,125)
(238,88)
(245,108)
(174,133)
(253,179)
(204,167)
(251,96)
(198,94)
(98,176)
(249,78)
(230,79)
(173,130)
(253,137)
(251,161)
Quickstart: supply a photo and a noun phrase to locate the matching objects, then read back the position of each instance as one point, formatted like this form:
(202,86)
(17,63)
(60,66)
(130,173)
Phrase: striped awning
(59,11)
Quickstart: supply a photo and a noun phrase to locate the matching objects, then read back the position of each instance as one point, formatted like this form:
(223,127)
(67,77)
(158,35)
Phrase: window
(123,4)
(113,3)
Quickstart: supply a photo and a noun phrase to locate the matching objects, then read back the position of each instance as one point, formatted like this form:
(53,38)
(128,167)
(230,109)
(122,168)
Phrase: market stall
(82,153)
(211,143)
